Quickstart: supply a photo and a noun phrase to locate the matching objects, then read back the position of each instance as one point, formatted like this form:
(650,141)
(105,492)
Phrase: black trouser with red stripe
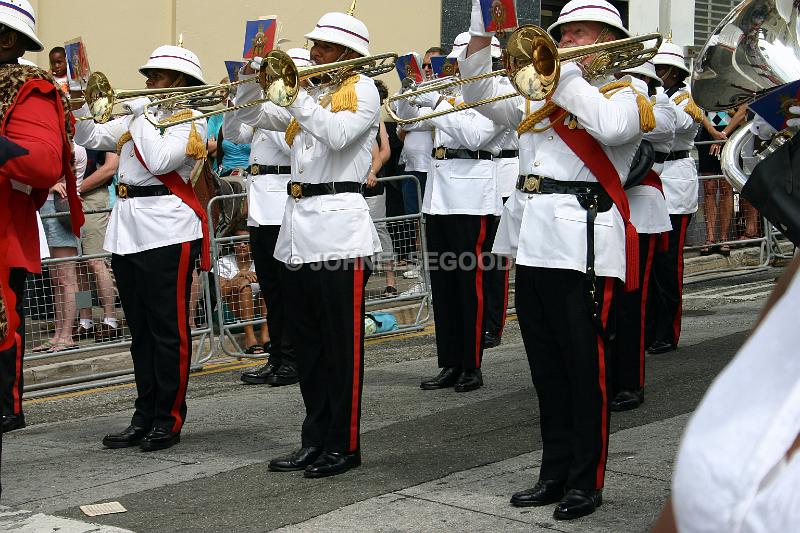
(666,297)
(154,287)
(11,359)
(271,277)
(327,321)
(495,286)
(458,250)
(569,359)
(631,311)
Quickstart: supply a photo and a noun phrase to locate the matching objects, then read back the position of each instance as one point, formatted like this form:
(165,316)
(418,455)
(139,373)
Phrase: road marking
(742,292)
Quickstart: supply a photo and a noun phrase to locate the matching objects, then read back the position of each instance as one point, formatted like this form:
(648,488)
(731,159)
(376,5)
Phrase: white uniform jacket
(417,147)
(144,223)
(680,176)
(330,147)
(649,212)
(507,167)
(549,230)
(460,186)
(266,194)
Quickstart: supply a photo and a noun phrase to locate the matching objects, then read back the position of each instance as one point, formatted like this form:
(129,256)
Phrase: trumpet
(101,97)
(532,63)
(280,81)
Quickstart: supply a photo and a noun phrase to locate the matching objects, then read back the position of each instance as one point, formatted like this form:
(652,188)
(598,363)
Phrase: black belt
(261,170)
(661,157)
(303,190)
(680,154)
(507,154)
(137,191)
(533,184)
(459,153)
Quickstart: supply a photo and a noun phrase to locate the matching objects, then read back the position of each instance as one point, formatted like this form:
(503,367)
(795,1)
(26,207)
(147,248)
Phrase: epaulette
(691,108)
(647,120)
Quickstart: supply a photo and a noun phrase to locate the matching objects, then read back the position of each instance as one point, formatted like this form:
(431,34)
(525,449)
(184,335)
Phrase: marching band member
(680,188)
(154,235)
(34,115)
(567,225)
(461,199)
(269,174)
(650,216)
(325,239)
(496,297)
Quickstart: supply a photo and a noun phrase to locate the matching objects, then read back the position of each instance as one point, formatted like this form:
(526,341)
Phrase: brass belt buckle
(532,184)
(122,191)
(440,153)
(296,191)
(254,170)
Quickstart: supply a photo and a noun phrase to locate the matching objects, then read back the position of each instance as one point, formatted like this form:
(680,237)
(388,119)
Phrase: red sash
(183,190)
(589,151)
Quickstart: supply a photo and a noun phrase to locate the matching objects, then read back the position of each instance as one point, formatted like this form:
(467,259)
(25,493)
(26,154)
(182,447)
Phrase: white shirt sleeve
(509,112)
(103,137)
(164,152)
(469,128)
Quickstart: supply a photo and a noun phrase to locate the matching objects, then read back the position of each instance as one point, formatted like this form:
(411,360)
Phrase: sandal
(46,346)
(255,349)
(725,250)
(61,347)
(389,291)
(706,250)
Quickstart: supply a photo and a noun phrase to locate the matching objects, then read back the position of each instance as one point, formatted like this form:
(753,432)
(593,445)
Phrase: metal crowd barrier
(49,295)
(239,305)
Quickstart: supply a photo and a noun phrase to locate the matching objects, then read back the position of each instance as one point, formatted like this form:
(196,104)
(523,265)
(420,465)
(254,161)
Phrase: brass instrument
(101,97)
(280,80)
(532,63)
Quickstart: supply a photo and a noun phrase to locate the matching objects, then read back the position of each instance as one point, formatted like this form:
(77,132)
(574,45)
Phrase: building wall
(119,36)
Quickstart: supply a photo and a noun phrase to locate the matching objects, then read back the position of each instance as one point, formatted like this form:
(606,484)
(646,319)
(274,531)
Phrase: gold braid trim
(647,120)
(344,98)
(291,131)
(534,118)
(122,140)
(195,147)
(691,108)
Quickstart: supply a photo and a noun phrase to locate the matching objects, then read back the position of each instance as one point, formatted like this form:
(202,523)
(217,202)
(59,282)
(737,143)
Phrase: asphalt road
(432,459)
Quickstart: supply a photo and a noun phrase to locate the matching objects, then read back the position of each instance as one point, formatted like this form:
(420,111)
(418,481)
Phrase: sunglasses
(427,65)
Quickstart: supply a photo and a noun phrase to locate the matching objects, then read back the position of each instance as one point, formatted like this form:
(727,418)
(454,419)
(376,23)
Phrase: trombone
(532,63)
(280,81)
(101,97)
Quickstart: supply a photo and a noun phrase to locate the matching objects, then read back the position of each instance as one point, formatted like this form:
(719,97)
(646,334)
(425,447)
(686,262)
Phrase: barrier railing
(83,286)
(398,287)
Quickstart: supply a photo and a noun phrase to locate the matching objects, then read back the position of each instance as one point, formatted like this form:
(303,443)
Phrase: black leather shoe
(261,375)
(446,378)
(469,380)
(285,375)
(626,400)
(577,503)
(491,340)
(545,492)
(660,347)
(159,439)
(297,460)
(130,436)
(12,422)
(332,464)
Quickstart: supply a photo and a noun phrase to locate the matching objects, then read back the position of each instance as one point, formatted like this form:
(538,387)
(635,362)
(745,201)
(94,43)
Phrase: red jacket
(36,123)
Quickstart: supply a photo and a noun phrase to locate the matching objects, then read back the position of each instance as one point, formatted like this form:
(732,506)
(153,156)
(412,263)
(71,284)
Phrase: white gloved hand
(476,27)
(136,106)
(255,63)
(428,99)
(794,122)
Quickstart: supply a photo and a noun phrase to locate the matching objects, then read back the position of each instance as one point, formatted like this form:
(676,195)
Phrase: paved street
(432,459)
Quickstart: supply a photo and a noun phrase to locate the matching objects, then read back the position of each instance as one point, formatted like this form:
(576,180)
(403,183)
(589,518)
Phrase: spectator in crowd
(62,244)
(240,290)
(716,126)
(375,195)
(58,67)
(228,156)
(93,189)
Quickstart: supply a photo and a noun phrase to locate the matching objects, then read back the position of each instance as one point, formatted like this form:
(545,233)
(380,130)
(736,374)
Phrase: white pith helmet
(646,69)
(343,29)
(179,59)
(588,11)
(19,15)
(300,56)
(671,54)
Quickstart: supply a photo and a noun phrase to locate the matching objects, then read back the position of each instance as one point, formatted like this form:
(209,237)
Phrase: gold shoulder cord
(344,98)
(690,108)
(195,147)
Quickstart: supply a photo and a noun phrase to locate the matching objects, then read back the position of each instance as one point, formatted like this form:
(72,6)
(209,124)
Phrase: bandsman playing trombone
(567,226)
(326,239)
(154,235)
(461,200)
(269,173)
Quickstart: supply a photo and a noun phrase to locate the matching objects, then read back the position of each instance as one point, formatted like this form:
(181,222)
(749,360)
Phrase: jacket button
(550,138)
(300,171)
(536,163)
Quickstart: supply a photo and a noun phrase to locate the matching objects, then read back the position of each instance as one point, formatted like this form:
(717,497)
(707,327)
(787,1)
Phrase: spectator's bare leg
(245,313)
(264,332)
(725,209)
(105,288)
(65,283)
(194,297)
(751,220)
(710,187)
(85,313)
